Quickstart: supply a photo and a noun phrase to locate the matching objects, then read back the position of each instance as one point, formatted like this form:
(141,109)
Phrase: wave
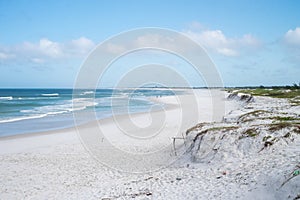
(33,116)
(82,103)
(22,118)
(50,95)
(67,107)
(62,107)
(36,98)
(87,92)
(26,111)
(6,98)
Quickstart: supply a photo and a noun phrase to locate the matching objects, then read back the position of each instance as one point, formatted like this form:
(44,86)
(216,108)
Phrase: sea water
(35,110)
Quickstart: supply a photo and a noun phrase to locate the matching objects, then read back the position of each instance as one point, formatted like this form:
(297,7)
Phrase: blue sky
(43,43)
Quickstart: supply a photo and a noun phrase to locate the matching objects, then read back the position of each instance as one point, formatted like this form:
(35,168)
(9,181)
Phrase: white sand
(55,165)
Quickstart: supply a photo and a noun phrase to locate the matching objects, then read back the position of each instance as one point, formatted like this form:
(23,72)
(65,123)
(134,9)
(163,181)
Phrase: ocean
(35,110)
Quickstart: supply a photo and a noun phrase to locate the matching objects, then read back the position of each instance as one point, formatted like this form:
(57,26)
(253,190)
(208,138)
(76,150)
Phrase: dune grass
(287,118)
(249,133)
(284,124)
(276,92)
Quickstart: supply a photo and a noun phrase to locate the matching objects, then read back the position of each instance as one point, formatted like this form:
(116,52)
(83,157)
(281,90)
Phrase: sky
(252,42)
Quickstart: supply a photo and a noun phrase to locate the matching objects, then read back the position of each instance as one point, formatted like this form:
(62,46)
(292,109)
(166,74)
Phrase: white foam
(82,103)
(6,98)
(22,118)
(87,92)
(51,95)
(67,107)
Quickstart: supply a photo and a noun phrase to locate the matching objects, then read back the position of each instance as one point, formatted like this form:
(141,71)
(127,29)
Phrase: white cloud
(216,41)
(44,47)
(80,46)
(83,42)
(292,37)
(47,50)
(50,48)
(213,40)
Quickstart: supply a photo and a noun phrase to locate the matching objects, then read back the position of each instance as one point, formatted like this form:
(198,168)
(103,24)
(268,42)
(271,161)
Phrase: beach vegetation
(196,127)
(286,118)
(291,92)
(287,135)
(267,137)
(284,124)
(249,133)
(295,101)
(255,113)
(223,128)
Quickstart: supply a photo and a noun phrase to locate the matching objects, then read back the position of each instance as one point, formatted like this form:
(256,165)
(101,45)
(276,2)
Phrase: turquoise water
(34,110)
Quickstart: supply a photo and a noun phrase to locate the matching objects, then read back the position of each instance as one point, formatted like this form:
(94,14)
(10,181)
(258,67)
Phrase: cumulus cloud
(292,37)
(47,50)
(44,47)
(80,46)
(216,41)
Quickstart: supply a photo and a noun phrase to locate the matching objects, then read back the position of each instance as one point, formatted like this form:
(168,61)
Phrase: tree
(295,86)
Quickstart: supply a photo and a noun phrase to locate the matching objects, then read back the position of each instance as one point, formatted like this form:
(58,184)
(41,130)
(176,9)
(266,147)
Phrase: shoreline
(70,135)
(165,100)
(90,123)
(58,113)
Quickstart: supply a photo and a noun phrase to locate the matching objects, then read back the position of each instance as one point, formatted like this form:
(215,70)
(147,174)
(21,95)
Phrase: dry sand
(55,165)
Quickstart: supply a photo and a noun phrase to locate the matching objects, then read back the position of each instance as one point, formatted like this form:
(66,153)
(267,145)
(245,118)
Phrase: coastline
(72,128)
(56,165)
(40,110)
(169,103)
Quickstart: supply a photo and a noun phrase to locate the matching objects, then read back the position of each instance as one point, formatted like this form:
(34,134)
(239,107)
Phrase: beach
(162,100)
(228,164)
